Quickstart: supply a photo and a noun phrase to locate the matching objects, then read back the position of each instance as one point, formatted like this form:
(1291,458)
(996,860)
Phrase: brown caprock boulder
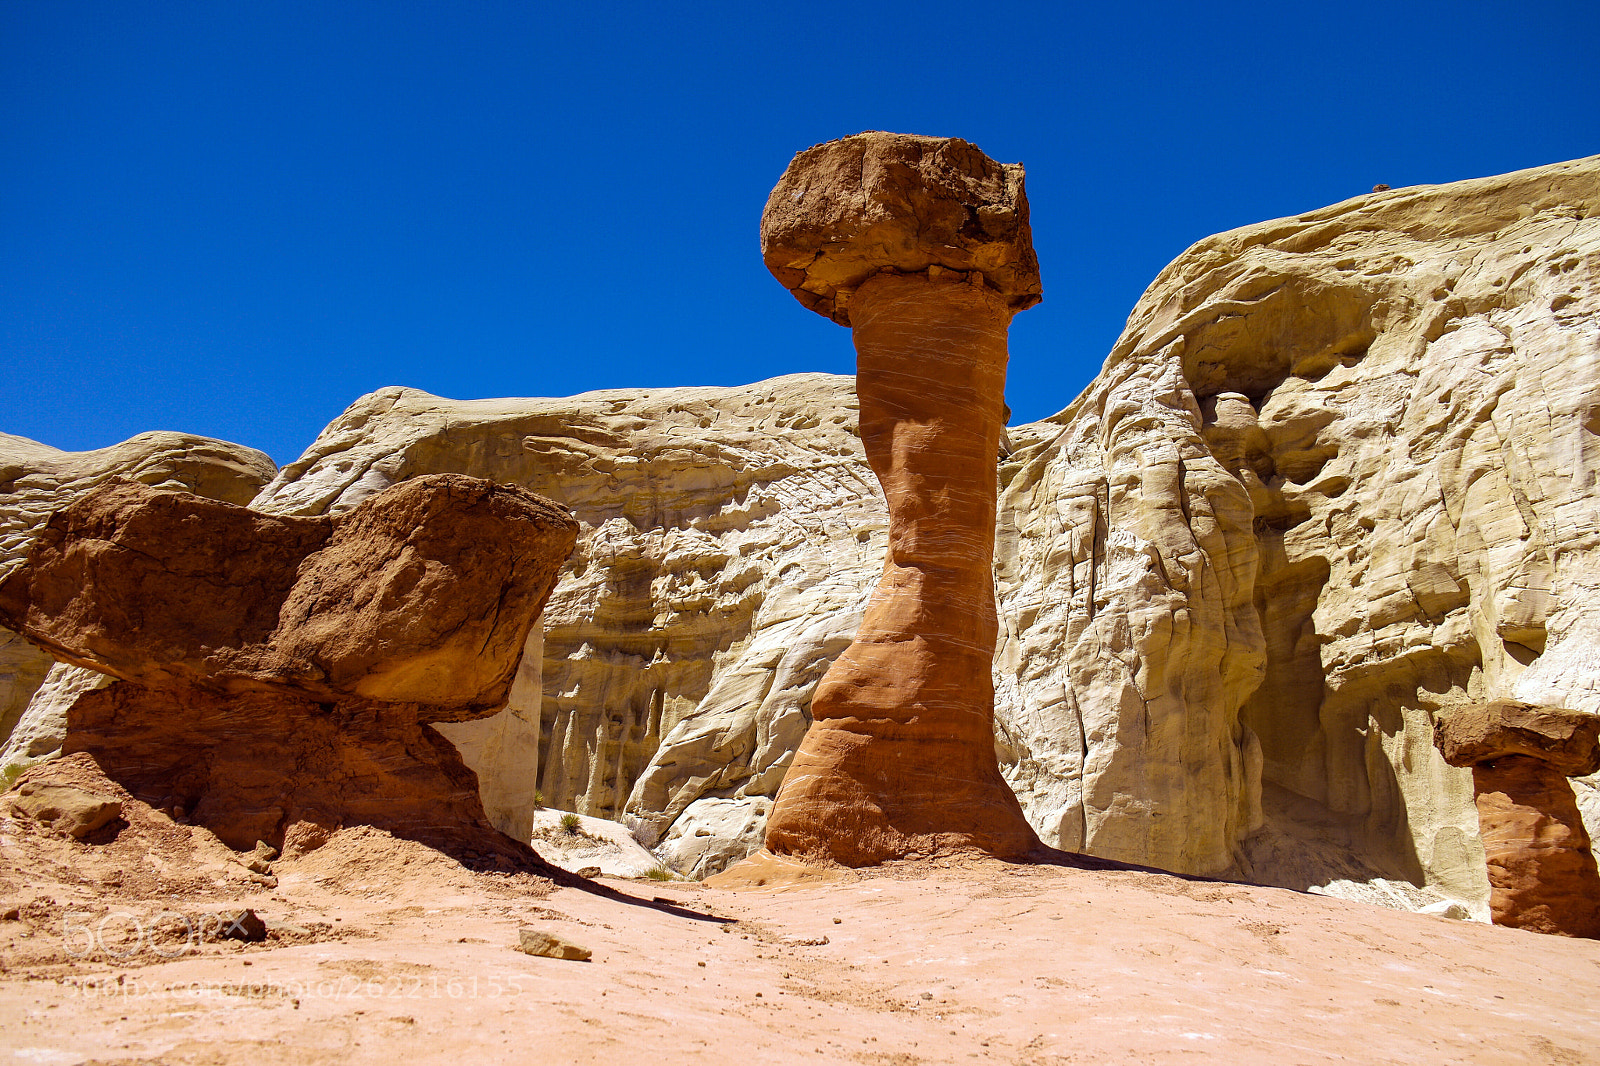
(921,245)
(284,670)
(1542,873)
(422,594)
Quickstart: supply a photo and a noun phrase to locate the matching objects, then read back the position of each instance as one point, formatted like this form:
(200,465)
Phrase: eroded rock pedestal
(922,247)
(1542,872)
(282,672)
(1339,470)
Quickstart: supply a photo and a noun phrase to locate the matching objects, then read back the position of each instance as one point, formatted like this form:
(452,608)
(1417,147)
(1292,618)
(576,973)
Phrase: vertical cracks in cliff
(1097,545)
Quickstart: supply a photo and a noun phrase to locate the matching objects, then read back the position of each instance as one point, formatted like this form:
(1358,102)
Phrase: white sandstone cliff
(729,538)
(1339,470)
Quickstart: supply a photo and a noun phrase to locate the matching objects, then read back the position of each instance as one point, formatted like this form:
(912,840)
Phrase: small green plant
(570,823)
(12,771)
(538,799)
(659,873)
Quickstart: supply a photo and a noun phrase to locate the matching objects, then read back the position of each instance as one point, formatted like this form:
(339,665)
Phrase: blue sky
(233,218)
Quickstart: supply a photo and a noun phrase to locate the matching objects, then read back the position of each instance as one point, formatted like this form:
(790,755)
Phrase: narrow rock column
(891,235)
(1542,871)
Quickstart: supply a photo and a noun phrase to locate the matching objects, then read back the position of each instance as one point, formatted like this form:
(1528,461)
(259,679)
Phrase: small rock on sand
(535,942)
(65,808)
(243,925)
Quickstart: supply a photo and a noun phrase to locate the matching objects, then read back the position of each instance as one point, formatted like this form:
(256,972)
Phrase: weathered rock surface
(250,766)
(537,942)
(502,750)
(597,845)
(245,925)
(849,209)
(712,834)
(65,809)
(40,731)
(275,671)
(1340,471)
(1566,741)
(37,480)
(23,668)
(728,541)
(1541,861)
(1542,872)
(900,759)
(426,595)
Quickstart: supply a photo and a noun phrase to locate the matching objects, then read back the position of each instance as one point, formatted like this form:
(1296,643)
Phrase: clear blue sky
(233,218)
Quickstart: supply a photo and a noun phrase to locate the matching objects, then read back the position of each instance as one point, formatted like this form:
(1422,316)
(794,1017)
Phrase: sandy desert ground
(381,950)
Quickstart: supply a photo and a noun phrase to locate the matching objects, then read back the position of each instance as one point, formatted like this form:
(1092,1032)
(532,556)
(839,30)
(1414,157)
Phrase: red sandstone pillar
(880,232)
(1542,872)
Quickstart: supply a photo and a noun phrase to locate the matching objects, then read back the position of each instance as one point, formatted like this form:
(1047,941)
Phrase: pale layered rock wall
(729,539)
(1339,471)
(503,748)
(42,727)
(23,667)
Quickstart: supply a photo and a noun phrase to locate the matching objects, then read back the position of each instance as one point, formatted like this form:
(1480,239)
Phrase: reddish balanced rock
(279,674)
(1542,873)
(424,593)
(921,245)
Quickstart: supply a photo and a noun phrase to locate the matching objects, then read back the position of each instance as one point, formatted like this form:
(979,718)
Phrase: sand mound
(145,889)
(374,864)
(141,854)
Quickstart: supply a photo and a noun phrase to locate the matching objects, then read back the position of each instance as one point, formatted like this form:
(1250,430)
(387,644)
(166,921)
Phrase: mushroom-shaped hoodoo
(860,206)
(1542,873)
(921,245)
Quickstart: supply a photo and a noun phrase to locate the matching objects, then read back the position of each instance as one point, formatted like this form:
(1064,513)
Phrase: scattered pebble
(243,925)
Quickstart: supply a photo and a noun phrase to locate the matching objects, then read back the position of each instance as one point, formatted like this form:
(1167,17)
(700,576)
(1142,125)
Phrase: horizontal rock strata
(728,540)
(1338,472)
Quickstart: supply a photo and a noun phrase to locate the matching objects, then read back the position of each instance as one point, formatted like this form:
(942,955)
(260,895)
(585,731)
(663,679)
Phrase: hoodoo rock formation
(282,672)
(422,596)
(1340,473)
(1542,873)
(921,245)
